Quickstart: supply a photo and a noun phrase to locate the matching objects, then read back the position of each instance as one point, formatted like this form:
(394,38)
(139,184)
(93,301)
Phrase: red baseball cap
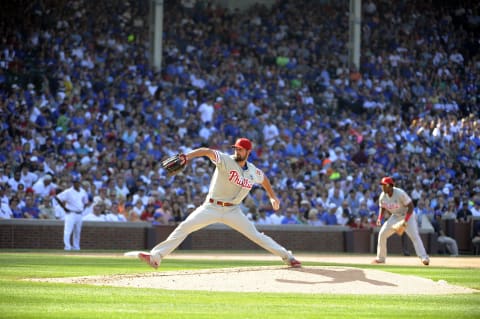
(387,180)
(243,143)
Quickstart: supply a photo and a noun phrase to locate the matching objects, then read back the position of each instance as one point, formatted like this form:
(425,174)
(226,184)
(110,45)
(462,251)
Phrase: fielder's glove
(399,227)
(175,164)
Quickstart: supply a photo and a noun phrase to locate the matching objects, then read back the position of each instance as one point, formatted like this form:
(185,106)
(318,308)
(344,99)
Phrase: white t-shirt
(5,211)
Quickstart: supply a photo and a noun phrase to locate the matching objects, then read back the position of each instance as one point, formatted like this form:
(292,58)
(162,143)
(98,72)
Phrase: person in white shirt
(206,111)
(5,211)
(276,217)
(343,213)
(3,176)
(113,214)
(475,209)
(44,186)
(121,186)
(103,197)
(27,177)
(140,195)
(206,131)
(4,195)
(97,214)
(270,133)
(137,210)
(15,180)
(263,218)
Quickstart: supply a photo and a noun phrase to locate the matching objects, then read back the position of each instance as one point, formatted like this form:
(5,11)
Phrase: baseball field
(99,284)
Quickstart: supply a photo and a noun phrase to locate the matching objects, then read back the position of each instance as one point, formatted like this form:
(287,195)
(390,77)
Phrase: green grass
(26,299)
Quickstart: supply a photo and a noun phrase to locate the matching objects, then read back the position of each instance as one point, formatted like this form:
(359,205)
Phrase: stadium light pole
(156,33)
(355,29)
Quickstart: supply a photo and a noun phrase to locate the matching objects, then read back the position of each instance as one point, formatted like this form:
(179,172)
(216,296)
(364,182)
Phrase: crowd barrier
(48,234)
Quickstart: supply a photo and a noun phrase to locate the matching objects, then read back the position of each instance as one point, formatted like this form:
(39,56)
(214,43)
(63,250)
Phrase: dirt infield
(309,279)
(456,262)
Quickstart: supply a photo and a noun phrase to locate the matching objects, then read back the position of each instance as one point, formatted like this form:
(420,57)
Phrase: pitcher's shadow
(337,277)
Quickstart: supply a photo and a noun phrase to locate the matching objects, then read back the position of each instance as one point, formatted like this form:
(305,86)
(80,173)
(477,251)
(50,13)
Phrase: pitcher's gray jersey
(230,182)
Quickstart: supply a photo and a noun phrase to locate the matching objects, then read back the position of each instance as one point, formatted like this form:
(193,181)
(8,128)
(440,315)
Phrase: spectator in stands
(366,223)
(464,215)
(136,211)
(47,211)
(31,210)
(166,214)
(16,180)
(5,211)
(3,194)
(277,217)
(336,195)
(102,195)
(258,217)
(148,213)
(141,195)
(113,214)
(81,108)
(448,212)
(313,218)
(190,209)
(28,177)
(44,186)
(290,217)
(304,208)
(344,213)
(14,207)
(98,213)
(475,208)
(329,217)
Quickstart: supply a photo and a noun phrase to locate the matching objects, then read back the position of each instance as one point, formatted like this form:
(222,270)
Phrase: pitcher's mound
(336,280)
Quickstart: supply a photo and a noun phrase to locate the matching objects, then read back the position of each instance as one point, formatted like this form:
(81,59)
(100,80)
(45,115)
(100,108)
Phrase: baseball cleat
(149,259)
(292,262)
(426,261)
(377,262)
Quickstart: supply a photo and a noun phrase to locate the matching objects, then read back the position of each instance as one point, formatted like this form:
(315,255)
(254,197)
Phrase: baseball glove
(175,164)
(399,227)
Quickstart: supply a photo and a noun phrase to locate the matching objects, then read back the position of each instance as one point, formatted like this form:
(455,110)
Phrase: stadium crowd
(78,97)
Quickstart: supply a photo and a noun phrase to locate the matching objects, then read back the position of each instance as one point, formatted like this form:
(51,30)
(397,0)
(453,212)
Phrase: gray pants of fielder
(412,232)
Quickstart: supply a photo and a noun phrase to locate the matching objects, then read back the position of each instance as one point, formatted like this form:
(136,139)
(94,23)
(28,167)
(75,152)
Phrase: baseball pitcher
(231,182)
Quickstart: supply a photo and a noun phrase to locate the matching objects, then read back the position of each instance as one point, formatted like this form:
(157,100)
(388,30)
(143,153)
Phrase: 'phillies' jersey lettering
(391,206)
(234,177)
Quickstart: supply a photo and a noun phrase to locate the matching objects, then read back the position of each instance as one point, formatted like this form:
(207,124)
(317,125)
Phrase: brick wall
(46,234)
(293,237)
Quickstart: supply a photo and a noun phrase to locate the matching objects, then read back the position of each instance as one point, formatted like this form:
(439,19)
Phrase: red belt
(220,203)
